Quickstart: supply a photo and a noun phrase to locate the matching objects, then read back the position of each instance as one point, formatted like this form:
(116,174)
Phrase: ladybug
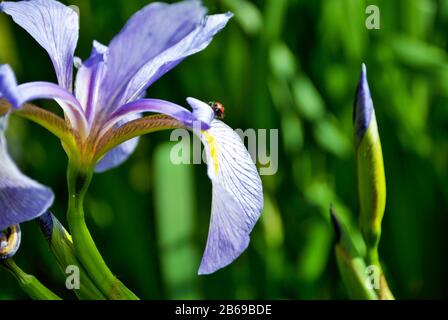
(218,109)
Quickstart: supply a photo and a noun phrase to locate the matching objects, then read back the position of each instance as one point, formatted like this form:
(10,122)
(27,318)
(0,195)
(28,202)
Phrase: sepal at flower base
(351,264)
(61,245)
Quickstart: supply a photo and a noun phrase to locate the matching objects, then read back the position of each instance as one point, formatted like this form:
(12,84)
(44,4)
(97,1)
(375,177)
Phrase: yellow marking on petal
(213,149)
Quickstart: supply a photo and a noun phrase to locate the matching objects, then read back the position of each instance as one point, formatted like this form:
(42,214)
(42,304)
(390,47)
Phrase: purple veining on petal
(54,26)
(46,90)
(147,34)
(195,41)
(201,112)
(20,94)
(122,152)
(237,199)
(363,108)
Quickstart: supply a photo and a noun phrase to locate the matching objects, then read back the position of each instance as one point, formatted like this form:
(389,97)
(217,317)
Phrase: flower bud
(369,164)
(9,242)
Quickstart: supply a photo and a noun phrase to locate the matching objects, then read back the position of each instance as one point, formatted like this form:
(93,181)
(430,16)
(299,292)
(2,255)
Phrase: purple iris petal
(363,110)
(19,94)
(89,77)
(194,42)
(147,34)
(46,90)
(122,152)
(54,26)
(201,111)
(21,198)
(237,199)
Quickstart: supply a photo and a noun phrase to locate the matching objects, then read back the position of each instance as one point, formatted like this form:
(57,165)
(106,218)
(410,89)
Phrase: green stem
(85,248)
(29,283)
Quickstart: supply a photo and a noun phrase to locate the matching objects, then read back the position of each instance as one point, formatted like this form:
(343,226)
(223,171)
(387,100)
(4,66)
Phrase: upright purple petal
(21,199)
(54,26)
(89,77)
(121,153)
(148,33)
(195,41)
(237,199)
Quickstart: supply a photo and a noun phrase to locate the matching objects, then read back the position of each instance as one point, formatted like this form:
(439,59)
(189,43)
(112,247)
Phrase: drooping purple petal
(201,112)
(88,79)
(195,41)
(21,199)
(54,26)
(148,33)
(363,109)
(122,152)
(237,199)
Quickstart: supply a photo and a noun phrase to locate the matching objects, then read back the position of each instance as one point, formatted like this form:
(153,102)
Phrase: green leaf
(282,60)
(307,99)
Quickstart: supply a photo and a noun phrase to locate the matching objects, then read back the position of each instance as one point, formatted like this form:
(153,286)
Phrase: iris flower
(104,114)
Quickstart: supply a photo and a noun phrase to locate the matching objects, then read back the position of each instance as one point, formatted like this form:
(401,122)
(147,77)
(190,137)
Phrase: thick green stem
(85,248)
(29,283)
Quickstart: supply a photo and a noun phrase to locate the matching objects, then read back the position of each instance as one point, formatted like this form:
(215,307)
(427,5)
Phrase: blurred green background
(287,65)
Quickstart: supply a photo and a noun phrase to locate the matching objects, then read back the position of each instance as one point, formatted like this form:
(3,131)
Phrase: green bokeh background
(287,65)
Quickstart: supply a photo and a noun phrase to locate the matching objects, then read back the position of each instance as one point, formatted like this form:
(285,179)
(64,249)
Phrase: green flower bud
(369,164)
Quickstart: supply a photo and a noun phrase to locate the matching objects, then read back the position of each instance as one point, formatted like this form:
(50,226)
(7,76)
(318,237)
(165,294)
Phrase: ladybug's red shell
(218,109)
